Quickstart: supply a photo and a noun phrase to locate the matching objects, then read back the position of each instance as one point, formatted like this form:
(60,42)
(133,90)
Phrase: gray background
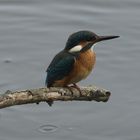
(33,31)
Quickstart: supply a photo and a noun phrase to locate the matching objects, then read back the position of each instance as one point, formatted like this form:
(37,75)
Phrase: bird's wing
(60,66)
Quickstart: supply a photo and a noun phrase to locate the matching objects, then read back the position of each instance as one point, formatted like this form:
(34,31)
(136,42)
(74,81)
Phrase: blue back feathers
(61,66)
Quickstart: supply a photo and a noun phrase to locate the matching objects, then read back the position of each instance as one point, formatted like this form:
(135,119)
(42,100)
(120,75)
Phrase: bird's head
(84,40)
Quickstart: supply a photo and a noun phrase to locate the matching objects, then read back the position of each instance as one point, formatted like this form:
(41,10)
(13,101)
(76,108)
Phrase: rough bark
(49,95)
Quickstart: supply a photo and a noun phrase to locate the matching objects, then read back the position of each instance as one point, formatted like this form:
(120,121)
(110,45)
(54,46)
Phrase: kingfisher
(76,61)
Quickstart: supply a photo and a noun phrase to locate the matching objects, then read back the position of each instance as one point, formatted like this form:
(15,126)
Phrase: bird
(76,61)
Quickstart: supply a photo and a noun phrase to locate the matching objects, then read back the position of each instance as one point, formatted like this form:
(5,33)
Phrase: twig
(49,95)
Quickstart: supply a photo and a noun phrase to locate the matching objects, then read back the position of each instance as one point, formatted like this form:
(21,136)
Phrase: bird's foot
(76,87)
(69,87)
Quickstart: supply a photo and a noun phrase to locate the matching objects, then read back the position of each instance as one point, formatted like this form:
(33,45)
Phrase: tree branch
(53,94)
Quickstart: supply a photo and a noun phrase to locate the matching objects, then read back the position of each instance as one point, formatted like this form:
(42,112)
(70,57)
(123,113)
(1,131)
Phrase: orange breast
(82,68)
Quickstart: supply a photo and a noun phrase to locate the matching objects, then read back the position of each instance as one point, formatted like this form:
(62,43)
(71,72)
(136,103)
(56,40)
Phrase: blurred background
(33,31)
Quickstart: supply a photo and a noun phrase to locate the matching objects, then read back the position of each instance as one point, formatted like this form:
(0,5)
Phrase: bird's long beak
(102,38)
(98,39)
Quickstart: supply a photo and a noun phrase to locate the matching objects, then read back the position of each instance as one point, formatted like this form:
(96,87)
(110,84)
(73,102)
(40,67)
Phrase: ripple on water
(47,128)
(7,60)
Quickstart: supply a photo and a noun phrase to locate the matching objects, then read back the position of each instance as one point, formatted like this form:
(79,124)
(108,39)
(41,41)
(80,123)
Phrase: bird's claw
(76,87)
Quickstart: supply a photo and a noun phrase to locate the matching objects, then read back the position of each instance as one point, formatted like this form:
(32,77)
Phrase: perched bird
(75,62)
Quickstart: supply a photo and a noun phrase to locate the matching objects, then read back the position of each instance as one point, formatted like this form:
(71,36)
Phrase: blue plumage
(61,66)
(75,38)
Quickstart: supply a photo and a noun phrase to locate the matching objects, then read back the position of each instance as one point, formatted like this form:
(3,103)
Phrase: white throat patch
(77,48)
(93,46)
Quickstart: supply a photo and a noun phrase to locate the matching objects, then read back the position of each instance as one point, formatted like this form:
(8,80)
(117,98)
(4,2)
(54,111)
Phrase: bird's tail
(46,82)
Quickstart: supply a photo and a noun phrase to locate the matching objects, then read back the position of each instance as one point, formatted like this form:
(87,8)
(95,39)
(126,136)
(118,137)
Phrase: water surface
(33,31)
